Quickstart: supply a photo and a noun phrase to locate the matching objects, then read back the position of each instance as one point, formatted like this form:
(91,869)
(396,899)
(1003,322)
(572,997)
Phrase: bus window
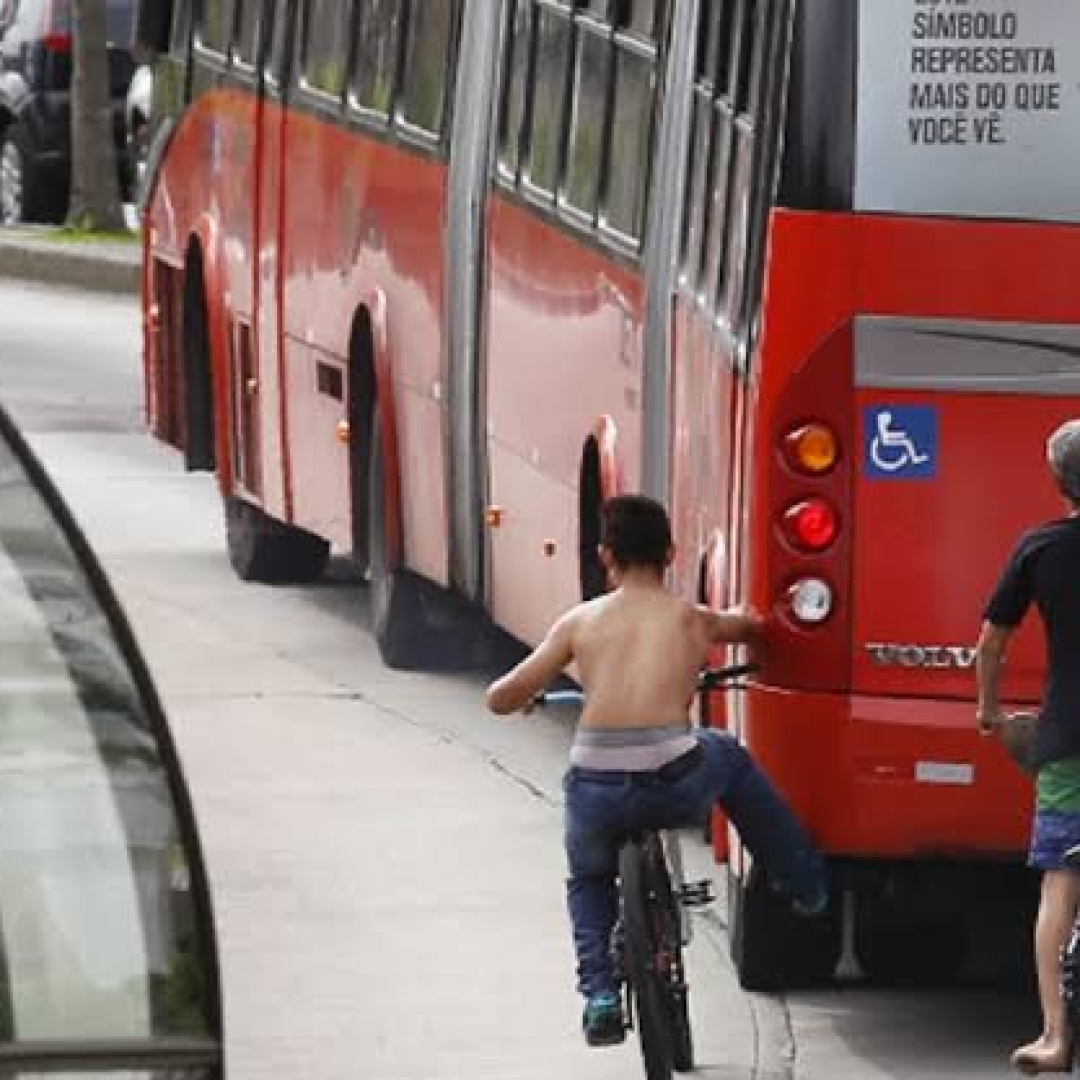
(427,65)
(630,139)
(554,44)
(376,72)
(180,38)
(699,178)
(730,86)
(697,184)
(748,157)
(588,111)
(278,57)
(718,205)
(645,18)
(727,12)
(753,99)
(517,64)
(215,25)
(578,109)
(742,45)
(246,46)
(739,206)
(326,46)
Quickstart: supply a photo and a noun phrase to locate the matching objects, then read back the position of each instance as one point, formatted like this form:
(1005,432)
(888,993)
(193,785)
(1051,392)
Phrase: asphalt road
(385,857)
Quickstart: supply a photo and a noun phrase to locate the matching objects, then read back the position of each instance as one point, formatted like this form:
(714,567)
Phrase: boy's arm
(733,626)
(539,669)
(1006,609)
(989,658)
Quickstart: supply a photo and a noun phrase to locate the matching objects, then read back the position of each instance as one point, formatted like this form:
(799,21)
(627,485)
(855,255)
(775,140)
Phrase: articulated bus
(425,282)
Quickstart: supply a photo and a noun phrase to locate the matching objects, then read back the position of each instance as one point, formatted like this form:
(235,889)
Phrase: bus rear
(919,339)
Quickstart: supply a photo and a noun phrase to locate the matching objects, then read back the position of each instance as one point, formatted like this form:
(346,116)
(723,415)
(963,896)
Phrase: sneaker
(807,905)
(603,1020)
(811,903)
(810,907)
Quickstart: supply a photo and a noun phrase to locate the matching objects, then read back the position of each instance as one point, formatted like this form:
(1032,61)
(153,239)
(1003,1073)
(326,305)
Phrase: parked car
(35,103)
(137,112)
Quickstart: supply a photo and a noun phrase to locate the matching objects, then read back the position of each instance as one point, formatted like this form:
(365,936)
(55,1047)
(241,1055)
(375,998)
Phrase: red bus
(427,290)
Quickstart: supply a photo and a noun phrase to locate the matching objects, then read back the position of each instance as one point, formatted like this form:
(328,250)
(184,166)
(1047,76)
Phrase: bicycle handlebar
(709,679)
(714,678)
(559,697)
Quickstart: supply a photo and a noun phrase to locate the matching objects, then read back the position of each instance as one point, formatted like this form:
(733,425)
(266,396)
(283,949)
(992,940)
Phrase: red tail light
(57,43)
(811,525)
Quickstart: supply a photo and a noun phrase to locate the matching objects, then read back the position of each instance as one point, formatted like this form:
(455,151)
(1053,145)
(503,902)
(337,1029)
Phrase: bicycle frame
(672,846)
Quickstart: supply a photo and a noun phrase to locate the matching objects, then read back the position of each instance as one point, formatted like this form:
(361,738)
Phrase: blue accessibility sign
(900,442)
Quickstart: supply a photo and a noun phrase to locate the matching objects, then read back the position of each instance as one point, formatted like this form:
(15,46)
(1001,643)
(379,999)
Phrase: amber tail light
(812,449)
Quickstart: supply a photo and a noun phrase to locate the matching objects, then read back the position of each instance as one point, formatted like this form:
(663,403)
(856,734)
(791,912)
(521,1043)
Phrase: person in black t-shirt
(1045,570)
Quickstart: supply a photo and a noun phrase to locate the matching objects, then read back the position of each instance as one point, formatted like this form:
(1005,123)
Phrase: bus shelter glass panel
(126,1074)
(104,922)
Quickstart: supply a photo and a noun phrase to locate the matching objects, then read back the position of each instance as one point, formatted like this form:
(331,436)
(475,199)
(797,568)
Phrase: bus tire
(398,619)
(265,550)
(772,948)
(904,951)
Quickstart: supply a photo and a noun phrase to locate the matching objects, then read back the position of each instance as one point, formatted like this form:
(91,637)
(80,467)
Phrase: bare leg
(1052,1051)
(1057,911)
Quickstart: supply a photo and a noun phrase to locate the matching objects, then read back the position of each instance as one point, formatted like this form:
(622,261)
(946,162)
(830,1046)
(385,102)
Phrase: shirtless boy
(636,760)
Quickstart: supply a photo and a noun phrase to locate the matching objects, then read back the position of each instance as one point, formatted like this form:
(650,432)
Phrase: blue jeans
(599,814)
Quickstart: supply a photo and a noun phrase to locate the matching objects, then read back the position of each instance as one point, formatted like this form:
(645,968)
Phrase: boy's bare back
(638,653)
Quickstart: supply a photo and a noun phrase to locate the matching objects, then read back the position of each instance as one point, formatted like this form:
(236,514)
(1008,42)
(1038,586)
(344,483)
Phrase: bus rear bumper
(889,778)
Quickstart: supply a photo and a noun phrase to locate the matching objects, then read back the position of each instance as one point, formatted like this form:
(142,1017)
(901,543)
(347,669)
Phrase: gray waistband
(638,749)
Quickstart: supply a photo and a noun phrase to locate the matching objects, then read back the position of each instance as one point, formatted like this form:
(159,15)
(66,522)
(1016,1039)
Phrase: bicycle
(1070,957)
(654,924)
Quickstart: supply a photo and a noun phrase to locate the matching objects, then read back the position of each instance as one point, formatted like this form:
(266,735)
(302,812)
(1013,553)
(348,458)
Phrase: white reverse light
(811,600)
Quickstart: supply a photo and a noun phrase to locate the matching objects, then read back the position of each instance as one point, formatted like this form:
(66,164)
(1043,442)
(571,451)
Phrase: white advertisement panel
(969,107)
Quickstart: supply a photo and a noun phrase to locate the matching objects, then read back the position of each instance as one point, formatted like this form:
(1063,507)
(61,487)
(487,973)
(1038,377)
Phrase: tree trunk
(95,189)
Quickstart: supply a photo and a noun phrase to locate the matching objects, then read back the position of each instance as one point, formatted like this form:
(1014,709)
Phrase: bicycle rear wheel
(1070,976)
(669,939)
(651,1004)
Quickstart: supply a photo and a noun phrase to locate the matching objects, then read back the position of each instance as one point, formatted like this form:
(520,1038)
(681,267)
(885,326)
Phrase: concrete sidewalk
(43,254)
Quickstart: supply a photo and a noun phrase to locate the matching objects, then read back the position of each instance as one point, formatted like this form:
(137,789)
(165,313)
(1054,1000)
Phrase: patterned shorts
(1057,814)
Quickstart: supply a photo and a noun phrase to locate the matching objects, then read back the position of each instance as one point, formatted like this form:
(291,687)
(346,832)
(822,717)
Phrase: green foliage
(80,234)
(329,76)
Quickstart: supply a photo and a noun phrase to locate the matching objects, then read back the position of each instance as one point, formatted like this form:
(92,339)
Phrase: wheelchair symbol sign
(901,441)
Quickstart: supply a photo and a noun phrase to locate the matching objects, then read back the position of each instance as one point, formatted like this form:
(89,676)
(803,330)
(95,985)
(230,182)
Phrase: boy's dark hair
(636,530)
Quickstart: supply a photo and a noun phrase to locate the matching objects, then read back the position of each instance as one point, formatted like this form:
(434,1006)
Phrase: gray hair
(1063,456)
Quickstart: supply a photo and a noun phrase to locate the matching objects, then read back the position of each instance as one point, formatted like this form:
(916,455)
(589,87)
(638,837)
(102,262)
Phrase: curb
(80,265)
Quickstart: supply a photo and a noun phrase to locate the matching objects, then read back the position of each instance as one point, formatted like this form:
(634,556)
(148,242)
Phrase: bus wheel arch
(598,482)
(199,406)
(713,580)
(362,401)
(400,604)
